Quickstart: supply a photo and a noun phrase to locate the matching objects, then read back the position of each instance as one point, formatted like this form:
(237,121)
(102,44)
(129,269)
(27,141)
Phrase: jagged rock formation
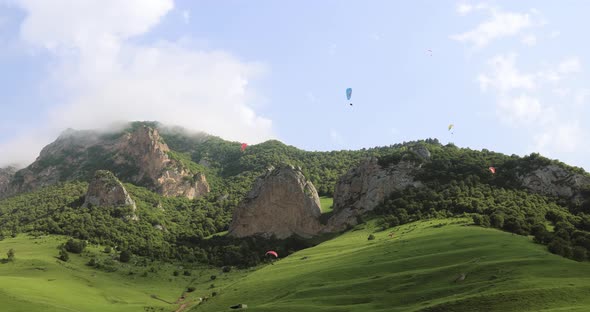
(140,157)
(105,190)
(281,203)
(364,187)
(555,181)
(6,175)
(155,166)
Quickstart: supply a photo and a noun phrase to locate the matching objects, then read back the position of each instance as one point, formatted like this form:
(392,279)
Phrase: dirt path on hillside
(182,307)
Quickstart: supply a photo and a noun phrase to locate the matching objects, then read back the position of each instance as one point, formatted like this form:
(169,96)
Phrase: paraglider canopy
(451,127)
(272,252)
(244,145)
(492,170)
(348,93)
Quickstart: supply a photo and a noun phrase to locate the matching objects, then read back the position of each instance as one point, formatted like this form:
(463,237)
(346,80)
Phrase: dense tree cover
(457,181)
(515,211)
(168,228)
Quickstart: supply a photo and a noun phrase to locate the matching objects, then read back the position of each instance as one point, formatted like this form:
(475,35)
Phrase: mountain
(188,186)
(136,155)
(411,226)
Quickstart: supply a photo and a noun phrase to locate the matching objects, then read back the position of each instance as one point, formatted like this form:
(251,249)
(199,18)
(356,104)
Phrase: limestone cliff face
(140,157)
(364,187)
(281,203)
(6,175)
(105,190)
(165,175)
(555,181)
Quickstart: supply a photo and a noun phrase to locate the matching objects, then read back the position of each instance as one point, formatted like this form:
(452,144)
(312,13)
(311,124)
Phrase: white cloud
(186,16)
(562,138)
(543,103)
(23,149)
(549,76)
(500,24)
(523,110)
(78,24)
(529,40)
(505,76)
(562,92)
(570,65)
(102,77)
(581,97)
(464,8)
(336,137)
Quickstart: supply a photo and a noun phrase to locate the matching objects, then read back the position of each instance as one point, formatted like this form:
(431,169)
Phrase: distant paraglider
(272,252)
(492,170)
(451,127)
(244,145)
(349,94)
(430,52)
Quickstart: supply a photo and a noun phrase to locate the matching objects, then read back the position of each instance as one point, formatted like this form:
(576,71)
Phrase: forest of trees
(457,182)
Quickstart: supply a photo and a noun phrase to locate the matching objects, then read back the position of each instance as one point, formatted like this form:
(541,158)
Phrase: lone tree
(10,254)
(63,255)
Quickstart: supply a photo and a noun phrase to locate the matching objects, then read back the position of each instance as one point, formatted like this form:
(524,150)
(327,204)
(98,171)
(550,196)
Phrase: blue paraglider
(349,94)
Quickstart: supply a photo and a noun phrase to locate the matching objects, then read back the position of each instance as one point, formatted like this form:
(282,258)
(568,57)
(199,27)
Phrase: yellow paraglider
(451,127)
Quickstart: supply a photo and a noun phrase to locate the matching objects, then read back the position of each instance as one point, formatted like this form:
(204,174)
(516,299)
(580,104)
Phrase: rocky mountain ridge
(139,156)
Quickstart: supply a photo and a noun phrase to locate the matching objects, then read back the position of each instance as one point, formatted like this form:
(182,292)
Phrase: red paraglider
(244,145)
(492,170)
(272,252)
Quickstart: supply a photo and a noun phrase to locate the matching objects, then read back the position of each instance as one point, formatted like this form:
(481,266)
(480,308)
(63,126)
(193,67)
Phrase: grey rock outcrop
(555,181)
(422,151)
(151,155)
(364,187)
(282,203)
(139,156)
(6,175)
(105,190)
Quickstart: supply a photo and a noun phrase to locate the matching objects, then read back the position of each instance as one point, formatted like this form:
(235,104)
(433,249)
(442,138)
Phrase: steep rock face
(140,157)
(556,181)
(105,190)
(364,187)
(155,167)
(6,175)
(282,202)
(56,161)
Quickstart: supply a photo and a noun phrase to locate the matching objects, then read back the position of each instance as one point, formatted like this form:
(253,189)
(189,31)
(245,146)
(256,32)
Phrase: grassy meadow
(419,268)
(37,281)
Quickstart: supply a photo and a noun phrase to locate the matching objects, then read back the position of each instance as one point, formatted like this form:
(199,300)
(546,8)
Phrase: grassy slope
(415,271)
(37,281)
(326,204)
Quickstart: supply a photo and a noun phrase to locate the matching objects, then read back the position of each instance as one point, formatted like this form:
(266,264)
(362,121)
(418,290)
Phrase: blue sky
(510,75)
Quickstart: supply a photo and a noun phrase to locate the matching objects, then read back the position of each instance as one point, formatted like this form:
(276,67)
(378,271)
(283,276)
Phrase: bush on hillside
(125,256)
(75,246)
(63,255)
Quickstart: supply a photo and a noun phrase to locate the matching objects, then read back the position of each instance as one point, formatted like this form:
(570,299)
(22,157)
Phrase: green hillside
(37,281)
(415,270)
